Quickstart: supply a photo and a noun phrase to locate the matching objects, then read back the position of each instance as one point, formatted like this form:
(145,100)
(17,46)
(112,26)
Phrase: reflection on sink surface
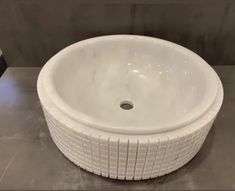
(123,89)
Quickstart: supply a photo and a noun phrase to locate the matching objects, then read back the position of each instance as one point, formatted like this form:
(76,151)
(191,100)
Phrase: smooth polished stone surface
(30,160)
(168,85)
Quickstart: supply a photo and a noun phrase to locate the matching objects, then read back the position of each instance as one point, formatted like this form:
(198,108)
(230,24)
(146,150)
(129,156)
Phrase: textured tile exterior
(126,159)
(127,156)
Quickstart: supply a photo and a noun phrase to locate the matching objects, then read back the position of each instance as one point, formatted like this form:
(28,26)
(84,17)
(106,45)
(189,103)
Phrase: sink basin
(129,107)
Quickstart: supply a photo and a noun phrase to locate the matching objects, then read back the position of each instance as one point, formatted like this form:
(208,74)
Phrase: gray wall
(31,31)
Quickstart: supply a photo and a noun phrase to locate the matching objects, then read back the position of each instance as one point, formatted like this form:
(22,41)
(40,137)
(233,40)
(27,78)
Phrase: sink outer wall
(122,156)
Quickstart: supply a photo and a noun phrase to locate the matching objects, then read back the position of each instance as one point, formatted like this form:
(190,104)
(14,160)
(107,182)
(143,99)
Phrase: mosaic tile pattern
(128,160)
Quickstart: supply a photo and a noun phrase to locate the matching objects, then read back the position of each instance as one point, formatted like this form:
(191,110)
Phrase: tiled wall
(32,31)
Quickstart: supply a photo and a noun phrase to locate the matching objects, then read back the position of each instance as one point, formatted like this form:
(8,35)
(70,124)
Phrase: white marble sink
(129,107)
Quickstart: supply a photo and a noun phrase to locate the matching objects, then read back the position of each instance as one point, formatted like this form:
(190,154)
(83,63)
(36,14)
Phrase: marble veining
(129,100)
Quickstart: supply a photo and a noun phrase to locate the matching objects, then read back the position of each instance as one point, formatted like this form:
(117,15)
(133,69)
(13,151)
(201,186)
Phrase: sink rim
(46,75)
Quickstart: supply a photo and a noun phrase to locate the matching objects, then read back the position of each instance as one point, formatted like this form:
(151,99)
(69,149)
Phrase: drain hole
(127,105)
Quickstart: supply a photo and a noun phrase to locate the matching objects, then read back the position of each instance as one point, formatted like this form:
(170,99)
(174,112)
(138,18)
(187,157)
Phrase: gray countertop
(30,160)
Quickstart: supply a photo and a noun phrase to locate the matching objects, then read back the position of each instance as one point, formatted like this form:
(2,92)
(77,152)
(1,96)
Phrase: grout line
(100,156)
(145,160)
(154,162)
(137,150)
(173,153)
(85,159)
(166,150)
(127,157)
(90,137)
(108,157)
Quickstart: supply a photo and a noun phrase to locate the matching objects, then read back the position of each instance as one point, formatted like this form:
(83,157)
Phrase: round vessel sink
(129,107)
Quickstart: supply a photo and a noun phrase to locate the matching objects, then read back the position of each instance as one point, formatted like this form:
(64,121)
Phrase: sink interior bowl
(163,84)
(142,84)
